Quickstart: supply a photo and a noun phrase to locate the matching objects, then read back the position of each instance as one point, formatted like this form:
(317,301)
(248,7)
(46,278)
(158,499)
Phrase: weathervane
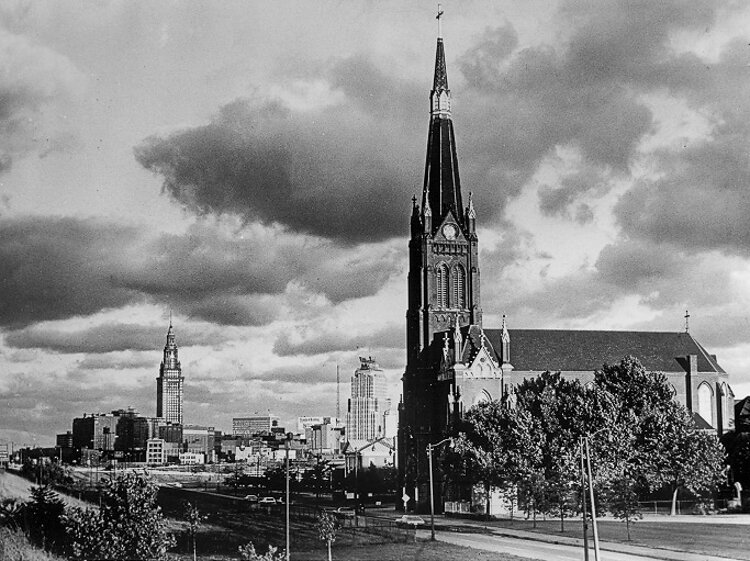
(687,322)
(440,13)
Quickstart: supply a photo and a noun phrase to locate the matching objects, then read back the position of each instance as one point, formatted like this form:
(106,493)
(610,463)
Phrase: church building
(453,362)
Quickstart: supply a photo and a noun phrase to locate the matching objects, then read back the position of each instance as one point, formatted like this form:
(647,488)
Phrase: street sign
(406,498)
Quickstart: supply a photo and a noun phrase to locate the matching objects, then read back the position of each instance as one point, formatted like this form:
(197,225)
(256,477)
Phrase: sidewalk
(666,554)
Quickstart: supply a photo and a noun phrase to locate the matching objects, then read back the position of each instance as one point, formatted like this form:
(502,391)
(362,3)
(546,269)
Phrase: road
(532,549)
(528,548)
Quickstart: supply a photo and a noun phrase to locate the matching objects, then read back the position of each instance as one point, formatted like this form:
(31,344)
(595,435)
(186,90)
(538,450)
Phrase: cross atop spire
(440,13)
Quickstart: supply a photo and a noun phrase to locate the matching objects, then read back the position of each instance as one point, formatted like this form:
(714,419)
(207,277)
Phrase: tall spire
(442,186)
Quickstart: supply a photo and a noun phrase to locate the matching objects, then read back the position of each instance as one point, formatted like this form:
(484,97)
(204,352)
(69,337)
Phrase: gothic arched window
(705,403)
(459,287)
(442,285)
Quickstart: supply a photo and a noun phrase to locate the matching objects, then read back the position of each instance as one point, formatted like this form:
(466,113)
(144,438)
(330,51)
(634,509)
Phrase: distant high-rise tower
(169,383)
(365,416)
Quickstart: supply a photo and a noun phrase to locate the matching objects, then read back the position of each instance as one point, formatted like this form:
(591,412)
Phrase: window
(705,403)
(459,287)
(442,285)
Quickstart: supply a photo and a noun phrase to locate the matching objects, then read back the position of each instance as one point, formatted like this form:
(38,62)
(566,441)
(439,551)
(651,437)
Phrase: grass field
(725,540)
(419,551)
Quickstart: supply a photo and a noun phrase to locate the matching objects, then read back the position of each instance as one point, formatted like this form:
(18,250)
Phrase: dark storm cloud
(335,173)
(109,338)
(699,200)
(342,340)
(583,93)
(661,276)
(231,278)
(558,201)
(346,171)
(56,268)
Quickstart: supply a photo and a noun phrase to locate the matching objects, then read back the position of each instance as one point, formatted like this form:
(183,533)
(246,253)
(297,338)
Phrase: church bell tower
(443,249)
(443,288)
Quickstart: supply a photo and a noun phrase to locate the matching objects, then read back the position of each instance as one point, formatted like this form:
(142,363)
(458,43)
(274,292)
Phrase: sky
(248,168)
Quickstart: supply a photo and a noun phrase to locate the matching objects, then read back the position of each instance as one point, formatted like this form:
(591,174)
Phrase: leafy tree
(652,439)
(328,527)
(128,525)
(561,412)
(45,472)
(194,520)
(248,553)
(691,459)
(11,513)
(496,448)
(737,445)
(43,517)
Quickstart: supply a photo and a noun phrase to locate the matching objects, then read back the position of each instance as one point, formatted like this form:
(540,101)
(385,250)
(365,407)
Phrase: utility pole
(583,499)
(287,496)
(338,395)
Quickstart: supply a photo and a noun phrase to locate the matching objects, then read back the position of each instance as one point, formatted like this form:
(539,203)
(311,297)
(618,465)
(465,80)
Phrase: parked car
(410,520)
(344,512)
(251,498)
(266,501)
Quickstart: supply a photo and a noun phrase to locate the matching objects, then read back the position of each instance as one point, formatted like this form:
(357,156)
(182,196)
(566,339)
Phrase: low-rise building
(156,451)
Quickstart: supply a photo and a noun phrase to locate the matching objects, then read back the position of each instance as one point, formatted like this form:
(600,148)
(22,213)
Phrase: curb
(665,554)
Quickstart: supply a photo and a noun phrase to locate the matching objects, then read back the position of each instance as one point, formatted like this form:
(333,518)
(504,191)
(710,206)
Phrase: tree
(651,439)
(562,412)
(194,519)
(248,553)
(496,447)
(44,519)
(691,459)
(328,527)
(128,525)
(737,445)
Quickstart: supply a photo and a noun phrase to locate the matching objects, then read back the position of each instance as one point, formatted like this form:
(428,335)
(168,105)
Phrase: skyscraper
(169,383)
(365,416)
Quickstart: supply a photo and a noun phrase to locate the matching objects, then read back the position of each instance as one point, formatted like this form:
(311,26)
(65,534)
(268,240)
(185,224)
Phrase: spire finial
(687,322)
(439,19)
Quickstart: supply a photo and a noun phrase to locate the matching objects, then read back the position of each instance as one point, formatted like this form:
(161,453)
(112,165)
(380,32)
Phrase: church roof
(573,350)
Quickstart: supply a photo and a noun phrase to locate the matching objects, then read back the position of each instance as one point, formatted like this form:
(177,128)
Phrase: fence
(694,506)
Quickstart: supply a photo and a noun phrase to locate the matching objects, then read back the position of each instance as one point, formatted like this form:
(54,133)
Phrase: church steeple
(442,186)
(444,270)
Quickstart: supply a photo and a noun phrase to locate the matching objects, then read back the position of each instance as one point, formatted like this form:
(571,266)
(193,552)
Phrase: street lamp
(430,448)
(288,437)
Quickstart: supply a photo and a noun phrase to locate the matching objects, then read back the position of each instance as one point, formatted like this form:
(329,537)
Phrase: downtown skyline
(249,168)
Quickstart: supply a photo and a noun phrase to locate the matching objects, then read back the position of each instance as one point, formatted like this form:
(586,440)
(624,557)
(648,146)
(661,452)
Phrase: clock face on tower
(449,231)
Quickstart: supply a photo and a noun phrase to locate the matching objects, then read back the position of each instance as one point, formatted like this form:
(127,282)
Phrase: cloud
(316,341)
(36,84)
(336,173)
(109,338)
(127,362)
(661,277)
(700,201)
(55,268)
(58,268)
(586,180)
